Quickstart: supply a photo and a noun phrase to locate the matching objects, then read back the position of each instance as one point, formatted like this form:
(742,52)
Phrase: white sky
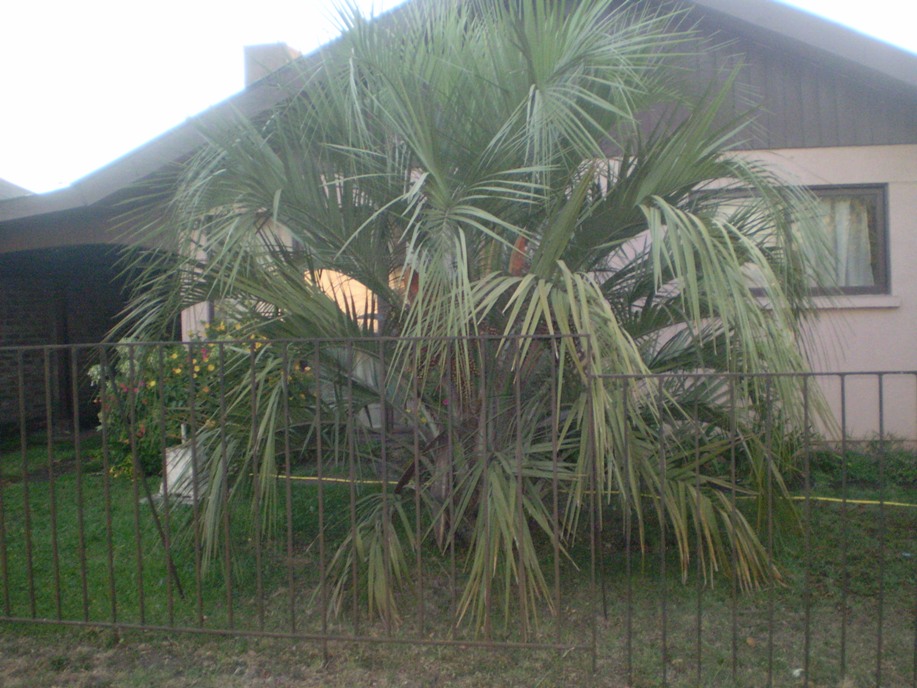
(86,81)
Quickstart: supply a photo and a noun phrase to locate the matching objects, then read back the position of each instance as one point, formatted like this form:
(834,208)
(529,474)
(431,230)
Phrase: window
(853,218)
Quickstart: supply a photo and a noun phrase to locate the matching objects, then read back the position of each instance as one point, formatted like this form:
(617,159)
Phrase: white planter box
(179,475)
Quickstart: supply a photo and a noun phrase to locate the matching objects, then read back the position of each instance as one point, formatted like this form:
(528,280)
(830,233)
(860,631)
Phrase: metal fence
(499,493)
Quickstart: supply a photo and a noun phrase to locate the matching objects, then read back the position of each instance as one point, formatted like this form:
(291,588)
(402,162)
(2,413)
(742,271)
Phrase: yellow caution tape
(840,500)
(325,479)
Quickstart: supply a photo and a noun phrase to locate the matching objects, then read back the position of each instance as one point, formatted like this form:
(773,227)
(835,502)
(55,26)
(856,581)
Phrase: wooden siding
(807,98)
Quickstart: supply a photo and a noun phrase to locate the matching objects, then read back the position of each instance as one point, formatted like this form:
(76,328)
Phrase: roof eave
(769,16)
(168,148)
(823,35)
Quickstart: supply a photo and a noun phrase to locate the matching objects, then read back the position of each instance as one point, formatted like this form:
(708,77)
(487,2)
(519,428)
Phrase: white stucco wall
(875,332)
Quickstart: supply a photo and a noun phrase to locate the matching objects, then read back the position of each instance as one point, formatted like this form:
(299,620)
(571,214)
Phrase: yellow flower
(257,345)
(176,370)
(174,355)
(197,368)
(238,326)
(221,327)
(151,384)
(211,367)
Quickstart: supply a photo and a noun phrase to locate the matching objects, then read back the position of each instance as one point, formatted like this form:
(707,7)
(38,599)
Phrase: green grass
(879,470)
(62,455)
(770,623)
(121,590)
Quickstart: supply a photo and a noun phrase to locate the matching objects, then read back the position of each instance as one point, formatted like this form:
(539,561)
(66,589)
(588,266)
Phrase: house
(839,114)
(60,280)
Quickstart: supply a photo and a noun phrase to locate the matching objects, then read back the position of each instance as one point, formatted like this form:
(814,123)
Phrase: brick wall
(58,296)
(26,318)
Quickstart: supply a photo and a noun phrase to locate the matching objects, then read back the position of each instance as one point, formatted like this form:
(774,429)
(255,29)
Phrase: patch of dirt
(46,658)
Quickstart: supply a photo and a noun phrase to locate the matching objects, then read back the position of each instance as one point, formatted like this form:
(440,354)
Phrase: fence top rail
(745,376)
(489,337)
(246,340)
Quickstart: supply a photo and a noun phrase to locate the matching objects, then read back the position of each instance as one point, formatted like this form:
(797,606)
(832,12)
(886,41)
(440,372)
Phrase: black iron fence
(678,529)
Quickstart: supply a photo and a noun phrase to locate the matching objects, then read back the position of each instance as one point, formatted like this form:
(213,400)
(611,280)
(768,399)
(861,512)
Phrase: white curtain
(846,223)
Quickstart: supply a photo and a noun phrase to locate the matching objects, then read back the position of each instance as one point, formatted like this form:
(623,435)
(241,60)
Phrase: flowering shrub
(152,395)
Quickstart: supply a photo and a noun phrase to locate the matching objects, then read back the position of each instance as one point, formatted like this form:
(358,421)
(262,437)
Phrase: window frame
(882,277)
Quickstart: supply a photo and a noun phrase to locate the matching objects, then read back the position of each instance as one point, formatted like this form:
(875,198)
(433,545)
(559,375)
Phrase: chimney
(261,60)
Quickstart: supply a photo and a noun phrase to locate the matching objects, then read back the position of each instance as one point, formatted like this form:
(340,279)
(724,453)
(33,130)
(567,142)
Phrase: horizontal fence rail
(492,492)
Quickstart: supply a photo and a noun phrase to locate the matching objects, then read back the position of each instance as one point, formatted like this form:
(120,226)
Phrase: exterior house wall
(66,295)
(868,332)
(27,317)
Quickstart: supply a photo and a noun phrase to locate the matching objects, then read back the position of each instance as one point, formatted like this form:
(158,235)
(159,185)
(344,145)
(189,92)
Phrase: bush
(898,465)
(152,396)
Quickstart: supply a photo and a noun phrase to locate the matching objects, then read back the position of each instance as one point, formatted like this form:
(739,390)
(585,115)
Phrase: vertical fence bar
(880,612)
(660,409)
(78,466)
(224,491)
(193,367)
(483,430)
(806,535)
(914,654)
(418,539)
(698,553)
(733,525)
(26,502)
(136,473)
(454,402)
(629,504)
(195,483)
(845,535)
(52,487)
(352,479)
(386,516)
(769,489)
(4,562)
(386,506)
(520,507)
(106,396)
(594,505)
(256,480)
(556,360)
(320,474)
(288,475)
(165,489)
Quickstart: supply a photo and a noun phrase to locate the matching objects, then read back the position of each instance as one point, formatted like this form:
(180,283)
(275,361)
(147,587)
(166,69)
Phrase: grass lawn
(833,584)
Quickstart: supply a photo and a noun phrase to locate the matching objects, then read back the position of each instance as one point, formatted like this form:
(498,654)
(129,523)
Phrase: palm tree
(484,170)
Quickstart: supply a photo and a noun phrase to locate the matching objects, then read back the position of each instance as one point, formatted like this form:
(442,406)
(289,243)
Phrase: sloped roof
(170,147)
(10,190)
(771,21)
(864,53)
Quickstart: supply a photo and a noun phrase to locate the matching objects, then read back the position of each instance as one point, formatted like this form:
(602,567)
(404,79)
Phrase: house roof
(818,34)
(169,147)
(766,20)
(10,190)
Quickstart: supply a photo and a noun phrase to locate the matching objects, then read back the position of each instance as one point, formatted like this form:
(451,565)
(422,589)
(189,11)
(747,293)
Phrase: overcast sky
(86,81)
